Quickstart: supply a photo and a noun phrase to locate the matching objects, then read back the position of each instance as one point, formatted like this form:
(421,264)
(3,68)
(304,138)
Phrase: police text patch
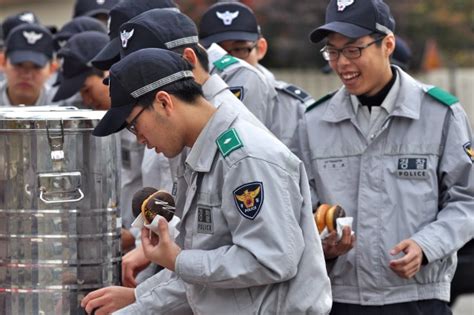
(204,221)
(469,151)
(249,199)
(412,168)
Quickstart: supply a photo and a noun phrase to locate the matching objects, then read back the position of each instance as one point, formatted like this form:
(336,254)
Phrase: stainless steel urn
(59,220)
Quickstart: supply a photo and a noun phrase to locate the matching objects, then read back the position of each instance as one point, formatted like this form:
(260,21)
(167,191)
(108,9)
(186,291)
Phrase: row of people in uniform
(360,148)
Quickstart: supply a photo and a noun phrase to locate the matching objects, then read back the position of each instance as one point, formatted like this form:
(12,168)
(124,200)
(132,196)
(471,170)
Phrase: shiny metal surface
(59,221)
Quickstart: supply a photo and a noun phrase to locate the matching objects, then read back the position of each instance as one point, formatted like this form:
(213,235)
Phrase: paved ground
(464,305)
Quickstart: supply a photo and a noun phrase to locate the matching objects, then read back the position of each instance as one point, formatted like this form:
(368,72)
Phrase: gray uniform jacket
(290,107)
(45,97)
(249,240)
(246,82)
(411,179)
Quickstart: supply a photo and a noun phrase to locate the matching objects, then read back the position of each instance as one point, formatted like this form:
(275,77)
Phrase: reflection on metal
(59,221)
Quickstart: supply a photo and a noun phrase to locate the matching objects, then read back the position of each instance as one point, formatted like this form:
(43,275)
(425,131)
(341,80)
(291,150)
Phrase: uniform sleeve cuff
(189,265)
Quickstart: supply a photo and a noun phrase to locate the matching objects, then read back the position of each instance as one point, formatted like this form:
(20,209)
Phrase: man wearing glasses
(396,155)
(234,27)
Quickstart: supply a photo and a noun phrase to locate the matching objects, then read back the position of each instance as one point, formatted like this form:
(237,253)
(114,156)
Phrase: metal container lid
(48,117)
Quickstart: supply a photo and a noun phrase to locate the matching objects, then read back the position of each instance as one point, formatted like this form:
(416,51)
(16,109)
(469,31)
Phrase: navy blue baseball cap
(157,28)
(135,75)
(228,21)
(93,7)
(29,42)
(119,14)
(76,67)
(26,17)
(75,26)
(354,19)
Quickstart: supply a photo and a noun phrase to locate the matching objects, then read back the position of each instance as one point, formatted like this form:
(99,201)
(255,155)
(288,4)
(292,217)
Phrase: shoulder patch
(228,142)
(224,62)
(249,199)
(469,151)
(298,93)
(320,101)
(238,91)
(442,96)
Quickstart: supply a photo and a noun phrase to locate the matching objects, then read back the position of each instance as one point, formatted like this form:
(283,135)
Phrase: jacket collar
(213,86)
(203,152)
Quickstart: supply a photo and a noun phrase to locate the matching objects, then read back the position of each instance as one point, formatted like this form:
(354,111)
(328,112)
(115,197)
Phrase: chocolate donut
(161,203)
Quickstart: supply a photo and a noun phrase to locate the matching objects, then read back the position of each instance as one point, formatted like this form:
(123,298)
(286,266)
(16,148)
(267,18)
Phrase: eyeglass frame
(132,125)
(247,49)
(324,50)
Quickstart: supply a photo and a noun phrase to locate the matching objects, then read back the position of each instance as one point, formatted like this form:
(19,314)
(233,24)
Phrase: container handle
(43,190)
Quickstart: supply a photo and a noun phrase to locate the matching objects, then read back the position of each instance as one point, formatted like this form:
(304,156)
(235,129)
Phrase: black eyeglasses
(241,52)
(132,125)
(350,52)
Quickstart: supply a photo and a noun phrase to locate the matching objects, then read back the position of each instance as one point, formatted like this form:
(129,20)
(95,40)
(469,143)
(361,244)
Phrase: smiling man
(233,255)
(395,154)
(27,66)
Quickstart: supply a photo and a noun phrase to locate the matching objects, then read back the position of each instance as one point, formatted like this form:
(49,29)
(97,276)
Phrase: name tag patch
(412,168)
(204,222)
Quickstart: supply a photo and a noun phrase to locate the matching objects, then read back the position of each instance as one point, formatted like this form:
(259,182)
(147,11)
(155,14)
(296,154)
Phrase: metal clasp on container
(56,143)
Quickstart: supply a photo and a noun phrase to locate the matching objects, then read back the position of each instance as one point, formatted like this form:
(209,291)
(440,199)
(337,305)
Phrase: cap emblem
(125,37)
(32,37)
(343,4)
(62,43)
(27,17)
(100,2)
(227,17)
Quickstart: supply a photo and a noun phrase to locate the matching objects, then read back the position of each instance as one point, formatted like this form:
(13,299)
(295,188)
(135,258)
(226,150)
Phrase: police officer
(396,154)
(245,188)
(27,66)
(172,30)
(234,27)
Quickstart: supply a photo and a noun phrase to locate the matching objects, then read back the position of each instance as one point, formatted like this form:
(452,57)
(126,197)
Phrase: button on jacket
(237,261)
(410,179)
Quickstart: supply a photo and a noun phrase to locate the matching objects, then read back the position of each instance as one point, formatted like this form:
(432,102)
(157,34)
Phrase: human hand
(407,266)
(161,250)
(132,263)
(108,300)
(127,239)
(333,248)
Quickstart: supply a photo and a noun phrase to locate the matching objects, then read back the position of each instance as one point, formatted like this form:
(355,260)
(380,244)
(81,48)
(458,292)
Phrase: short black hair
(378,37)
(200,52)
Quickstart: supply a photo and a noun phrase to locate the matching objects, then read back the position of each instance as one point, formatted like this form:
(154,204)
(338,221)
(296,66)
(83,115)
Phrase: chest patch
(249,199)
(412,168)
(205,223)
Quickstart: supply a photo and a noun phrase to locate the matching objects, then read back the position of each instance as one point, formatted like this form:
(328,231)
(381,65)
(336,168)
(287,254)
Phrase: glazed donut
(161,203)
(326,216)
(332,214)
(320,216)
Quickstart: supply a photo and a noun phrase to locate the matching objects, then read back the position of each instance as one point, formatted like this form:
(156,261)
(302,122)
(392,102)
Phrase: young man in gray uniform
(247,241)
(396,155)
(27,66)
(238,32)
(174,31)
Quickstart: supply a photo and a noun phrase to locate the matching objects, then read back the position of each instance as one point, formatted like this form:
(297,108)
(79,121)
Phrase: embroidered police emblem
(249,199)
(125,37)
(27,17)
(469,151)
(100,2)
(204,221)
(343,4)
(32,37)
(238,91)
(227,17)
(412,168)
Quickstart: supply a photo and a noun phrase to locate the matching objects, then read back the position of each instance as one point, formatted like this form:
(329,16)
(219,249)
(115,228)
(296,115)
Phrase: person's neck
(198,116)
(200,75)
(21,99)
(378,98)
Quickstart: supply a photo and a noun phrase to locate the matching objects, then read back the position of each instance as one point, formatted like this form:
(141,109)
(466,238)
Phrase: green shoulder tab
(228,142)
(320,101)
(224,62)
(442,96)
